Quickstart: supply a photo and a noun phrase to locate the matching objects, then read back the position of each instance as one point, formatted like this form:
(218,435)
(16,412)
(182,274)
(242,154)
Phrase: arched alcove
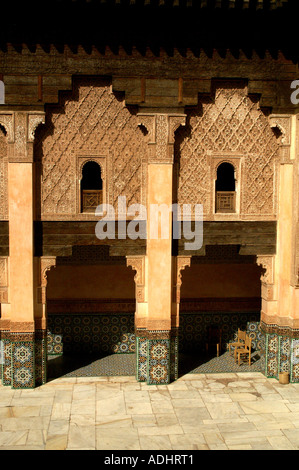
(91,308)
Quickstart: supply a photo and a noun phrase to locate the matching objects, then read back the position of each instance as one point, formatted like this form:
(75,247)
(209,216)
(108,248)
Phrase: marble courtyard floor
(230,411)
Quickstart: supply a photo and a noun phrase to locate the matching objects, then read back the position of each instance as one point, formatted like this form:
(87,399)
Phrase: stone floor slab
(198,412)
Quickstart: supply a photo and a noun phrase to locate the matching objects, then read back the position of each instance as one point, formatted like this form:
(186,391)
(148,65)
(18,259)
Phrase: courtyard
(220,411)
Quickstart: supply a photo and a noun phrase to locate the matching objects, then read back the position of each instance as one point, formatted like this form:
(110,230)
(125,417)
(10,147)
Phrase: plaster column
(157,340)
(20,126)
(280,307)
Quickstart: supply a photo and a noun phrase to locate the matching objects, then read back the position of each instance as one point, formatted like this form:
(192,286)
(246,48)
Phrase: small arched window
(226,188)
(91,187)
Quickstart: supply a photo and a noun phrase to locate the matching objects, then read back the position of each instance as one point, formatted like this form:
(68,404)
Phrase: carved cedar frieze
(230,122)
(91,121)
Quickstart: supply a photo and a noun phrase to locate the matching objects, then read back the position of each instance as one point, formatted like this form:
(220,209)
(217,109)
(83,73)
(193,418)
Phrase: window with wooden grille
(91,187)
(225,189)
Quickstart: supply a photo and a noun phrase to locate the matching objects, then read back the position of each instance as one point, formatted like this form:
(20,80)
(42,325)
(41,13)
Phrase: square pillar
(20,336)
(157,343)
(22,360)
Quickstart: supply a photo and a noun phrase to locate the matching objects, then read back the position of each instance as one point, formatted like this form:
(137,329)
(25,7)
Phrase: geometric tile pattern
(110,365)
(115,332)
(141,358)
(294,359)
(284,353)
(262,351)
(194,328)
(22,360)
(272,355)
(91,333)
(157,358)
(25,354)
(253,330)
(6,366)
(281,355)
(54,344)
(158,366)
(174,355)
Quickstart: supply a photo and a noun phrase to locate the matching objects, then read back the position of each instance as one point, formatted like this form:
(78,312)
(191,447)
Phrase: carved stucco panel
(230,122)
(46,263)
(91,121)
(267,263)
(7,121)
(33,121)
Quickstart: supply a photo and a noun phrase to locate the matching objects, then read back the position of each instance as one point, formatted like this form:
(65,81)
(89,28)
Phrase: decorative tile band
(91,333)
(281,355)
(158,363)
(194,326)
(157,357)
(25,354)
(40,357)
(294,356)
(141,359)
(6,366)
(174,357)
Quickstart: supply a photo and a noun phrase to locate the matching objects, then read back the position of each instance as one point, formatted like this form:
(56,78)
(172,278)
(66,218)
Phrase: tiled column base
(141,356)
(157,356)
(19,367)
(6,363)
(281,352)
(22,360)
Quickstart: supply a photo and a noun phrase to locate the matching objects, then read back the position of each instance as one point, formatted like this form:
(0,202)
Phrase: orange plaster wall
(91,282)
(221,281)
